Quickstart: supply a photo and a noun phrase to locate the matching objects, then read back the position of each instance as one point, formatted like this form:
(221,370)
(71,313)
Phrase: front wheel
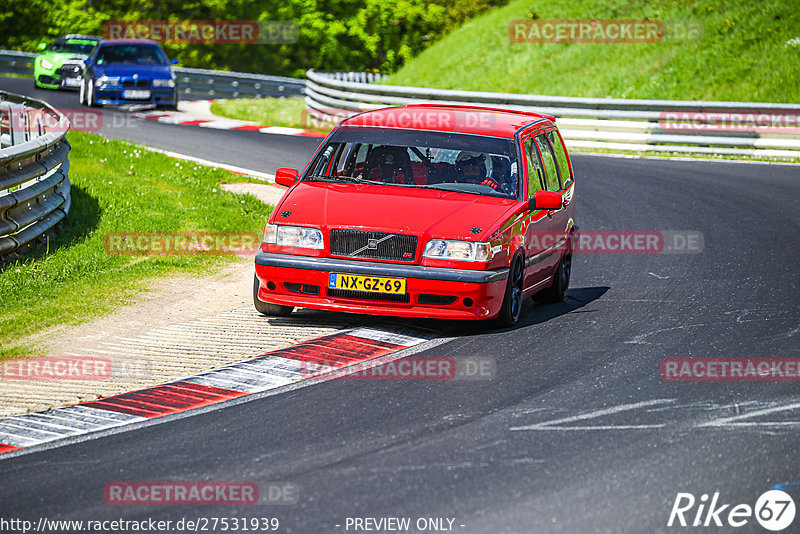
(265,308)
(90,98)
(512,302)
(82,94)
(172,106)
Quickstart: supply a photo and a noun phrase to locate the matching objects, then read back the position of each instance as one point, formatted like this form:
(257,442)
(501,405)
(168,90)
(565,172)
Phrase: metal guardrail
(592,123)
(34,167)
(208,83)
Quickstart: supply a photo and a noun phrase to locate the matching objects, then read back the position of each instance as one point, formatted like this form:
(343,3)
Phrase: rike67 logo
(774,510)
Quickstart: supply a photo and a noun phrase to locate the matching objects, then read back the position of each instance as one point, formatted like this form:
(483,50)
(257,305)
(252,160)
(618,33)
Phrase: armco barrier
(207,83)
(34,166)
(592,123)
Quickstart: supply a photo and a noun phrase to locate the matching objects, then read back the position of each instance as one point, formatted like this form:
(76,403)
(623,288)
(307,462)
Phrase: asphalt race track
(576,431)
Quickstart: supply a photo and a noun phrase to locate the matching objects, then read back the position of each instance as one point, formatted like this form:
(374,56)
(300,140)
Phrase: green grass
(116,187)
(750,51)
(287,112)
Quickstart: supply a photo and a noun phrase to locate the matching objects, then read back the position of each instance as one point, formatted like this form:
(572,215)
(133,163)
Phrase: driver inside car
(471,168)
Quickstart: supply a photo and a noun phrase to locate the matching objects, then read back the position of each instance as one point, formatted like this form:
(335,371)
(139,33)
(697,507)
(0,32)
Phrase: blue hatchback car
(128,71)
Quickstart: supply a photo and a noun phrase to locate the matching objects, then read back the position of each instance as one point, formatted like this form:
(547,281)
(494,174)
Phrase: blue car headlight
(163,82)
(107,80)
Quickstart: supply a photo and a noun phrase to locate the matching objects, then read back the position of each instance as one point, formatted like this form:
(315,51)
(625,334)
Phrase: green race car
(61,64)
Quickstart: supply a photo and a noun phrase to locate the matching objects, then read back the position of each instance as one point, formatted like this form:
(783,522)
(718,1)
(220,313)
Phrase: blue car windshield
(136,54)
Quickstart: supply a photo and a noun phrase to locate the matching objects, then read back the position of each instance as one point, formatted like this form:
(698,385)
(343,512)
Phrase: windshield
(73,46)
(411,158)
(140,54)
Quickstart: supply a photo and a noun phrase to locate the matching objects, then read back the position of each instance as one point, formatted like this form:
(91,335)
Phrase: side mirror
(173,62)
(87,61)
(546,200)
(41,46)
(287,177)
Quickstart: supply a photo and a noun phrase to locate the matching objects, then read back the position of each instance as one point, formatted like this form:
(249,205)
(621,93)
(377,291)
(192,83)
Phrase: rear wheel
(265,308)
(558,291)
(512,303)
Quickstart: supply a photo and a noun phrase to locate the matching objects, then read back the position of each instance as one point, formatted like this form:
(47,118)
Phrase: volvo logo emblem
(372,244)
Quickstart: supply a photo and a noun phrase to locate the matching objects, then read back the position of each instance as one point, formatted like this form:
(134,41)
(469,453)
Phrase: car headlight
(106,80)
(163,82)
(445,249)
(293,236)
(45,64)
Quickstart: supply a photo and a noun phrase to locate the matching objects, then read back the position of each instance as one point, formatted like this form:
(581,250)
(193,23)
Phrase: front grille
(136,84)
(69,71)
(437,299)
(368,295)
(376,245)
(308,289)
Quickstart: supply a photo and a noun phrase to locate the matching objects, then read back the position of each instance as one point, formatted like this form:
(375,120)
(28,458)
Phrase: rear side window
(550,168)
(535,177)
(561,158)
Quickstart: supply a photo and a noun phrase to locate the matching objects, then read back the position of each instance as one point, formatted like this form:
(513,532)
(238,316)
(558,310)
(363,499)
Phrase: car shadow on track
(532,313)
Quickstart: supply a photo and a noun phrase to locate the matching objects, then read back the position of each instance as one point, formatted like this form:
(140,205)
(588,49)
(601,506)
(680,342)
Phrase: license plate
(71,82)
(373,284)
(136,94)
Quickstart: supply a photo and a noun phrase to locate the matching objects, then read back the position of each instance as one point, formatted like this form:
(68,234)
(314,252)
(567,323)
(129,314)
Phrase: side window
(550,169)
(535,178)
(561,158)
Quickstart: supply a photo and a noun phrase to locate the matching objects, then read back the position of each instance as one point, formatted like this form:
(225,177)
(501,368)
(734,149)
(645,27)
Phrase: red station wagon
(434,211)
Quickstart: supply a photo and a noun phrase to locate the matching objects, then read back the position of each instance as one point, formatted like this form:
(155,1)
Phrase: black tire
(90,100)
(173,106)
(265,308)
(558,291)
(512,302)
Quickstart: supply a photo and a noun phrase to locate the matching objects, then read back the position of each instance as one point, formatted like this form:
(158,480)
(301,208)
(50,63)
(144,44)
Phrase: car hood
(406,210)
(127,70)
(58,58)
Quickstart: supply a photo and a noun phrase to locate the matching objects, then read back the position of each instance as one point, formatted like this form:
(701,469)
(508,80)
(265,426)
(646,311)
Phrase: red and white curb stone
(177,117)
(271,370)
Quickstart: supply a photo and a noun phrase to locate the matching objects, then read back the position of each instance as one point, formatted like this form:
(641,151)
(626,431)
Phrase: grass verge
(749,51)
(286,112)
(116,187)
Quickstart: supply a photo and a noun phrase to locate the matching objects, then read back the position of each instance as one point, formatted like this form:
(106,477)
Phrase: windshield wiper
(343,178)
(452,186)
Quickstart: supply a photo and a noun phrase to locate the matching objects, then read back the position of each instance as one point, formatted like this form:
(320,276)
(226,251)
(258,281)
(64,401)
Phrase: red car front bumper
(431,292)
